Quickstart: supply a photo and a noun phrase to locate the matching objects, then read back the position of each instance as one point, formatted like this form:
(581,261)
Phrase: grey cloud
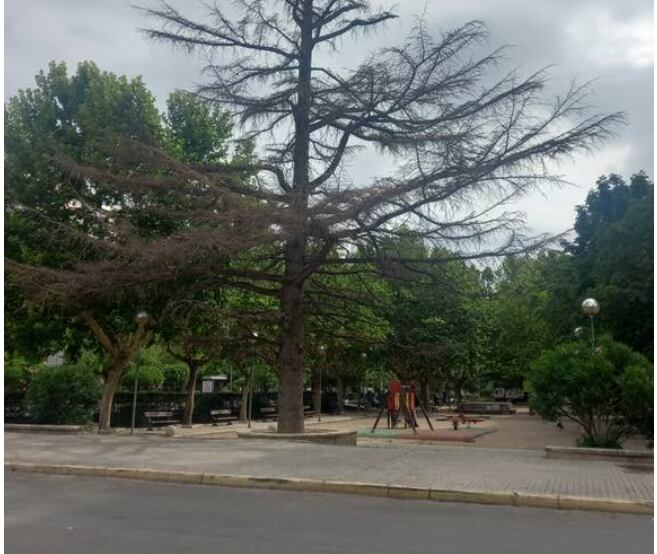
(540,31)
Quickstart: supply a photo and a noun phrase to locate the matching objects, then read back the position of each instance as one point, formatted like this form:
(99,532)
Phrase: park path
(438,467)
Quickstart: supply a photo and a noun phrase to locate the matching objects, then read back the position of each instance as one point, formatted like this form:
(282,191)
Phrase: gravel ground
(521,430)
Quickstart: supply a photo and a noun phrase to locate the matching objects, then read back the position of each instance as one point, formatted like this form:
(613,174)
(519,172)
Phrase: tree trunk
(290,390)
(112,382)
(426,396)
(317,392)
(188,414)
(244,414)
(340,391)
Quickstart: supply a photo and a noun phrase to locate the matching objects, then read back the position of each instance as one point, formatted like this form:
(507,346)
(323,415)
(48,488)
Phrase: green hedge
(67,394)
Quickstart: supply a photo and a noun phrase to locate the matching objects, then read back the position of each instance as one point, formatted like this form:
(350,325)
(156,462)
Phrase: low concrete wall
(344,438)
(30,428)
(643,457)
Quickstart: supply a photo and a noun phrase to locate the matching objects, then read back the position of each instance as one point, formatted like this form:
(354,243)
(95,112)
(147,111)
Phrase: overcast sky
(610,40)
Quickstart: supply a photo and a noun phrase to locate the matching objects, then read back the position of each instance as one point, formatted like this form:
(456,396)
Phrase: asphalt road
(56,514)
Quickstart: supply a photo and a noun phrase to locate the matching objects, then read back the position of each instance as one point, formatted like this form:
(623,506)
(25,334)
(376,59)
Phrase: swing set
(400,402)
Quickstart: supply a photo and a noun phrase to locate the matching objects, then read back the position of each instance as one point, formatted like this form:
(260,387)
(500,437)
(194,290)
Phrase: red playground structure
(400,403)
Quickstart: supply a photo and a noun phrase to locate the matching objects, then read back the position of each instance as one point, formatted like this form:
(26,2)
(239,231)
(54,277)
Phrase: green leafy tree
(608,393)
(198,129)
(519,332)
(614,255)
(17,374)
(63,223)
(196,333)
(436,325)
(60,222)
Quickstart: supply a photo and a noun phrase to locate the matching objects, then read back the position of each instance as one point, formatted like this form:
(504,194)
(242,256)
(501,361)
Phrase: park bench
(160,418)
(463,419)
(308,412)
(222,416)
(269,413)
(475,407)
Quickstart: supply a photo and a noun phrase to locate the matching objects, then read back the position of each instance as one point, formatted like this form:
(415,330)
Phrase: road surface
(53,514)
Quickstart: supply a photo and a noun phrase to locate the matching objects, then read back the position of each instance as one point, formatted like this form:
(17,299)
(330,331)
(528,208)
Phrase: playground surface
(519,431)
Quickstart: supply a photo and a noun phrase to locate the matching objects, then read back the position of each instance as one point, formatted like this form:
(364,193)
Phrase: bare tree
(468,144)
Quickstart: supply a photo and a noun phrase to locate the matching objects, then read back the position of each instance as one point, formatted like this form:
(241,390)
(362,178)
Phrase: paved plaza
(431,466)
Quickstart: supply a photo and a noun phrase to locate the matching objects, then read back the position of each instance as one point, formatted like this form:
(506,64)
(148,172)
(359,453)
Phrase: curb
(399,492)
(32,428)
(643,457)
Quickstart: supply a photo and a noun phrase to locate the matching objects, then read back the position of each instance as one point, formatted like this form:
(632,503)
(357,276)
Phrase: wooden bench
(222,416)
(160,418)
(474,407)
(269,413)
(307,412)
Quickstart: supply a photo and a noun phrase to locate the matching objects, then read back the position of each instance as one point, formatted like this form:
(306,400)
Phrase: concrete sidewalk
(444,468)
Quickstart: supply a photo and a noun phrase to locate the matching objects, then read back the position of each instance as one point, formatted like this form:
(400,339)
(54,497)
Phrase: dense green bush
(17,374)
(607,392)
(175,377)
(637,392)
(66,394)
(149,377)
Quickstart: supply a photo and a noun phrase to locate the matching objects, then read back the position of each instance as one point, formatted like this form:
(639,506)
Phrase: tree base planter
(34,428)
(343,438)
(643,457)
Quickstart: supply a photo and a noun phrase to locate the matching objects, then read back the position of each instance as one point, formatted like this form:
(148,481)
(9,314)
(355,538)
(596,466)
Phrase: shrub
(607,392)
(637,386)
(175,377)
(17,374)
(66,394)
(148,377)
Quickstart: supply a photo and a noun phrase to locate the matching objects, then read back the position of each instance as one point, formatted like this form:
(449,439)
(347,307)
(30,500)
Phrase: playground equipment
(400,402)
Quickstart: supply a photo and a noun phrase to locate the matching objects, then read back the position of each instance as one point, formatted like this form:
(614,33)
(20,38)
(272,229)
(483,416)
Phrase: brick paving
(399,463)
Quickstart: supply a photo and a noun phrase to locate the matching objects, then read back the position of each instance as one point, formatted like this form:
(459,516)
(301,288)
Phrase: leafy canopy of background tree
(435,314)
(536,300)
(614,255)
(517,324)
(62,221)
(57,221)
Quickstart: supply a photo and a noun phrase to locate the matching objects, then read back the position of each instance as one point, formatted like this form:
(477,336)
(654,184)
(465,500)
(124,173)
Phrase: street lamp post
(363,357)
(322,353)
(591,308)
(252,340)
(140,319)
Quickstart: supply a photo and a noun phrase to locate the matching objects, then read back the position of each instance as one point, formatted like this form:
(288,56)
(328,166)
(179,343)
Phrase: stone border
(345,438)
(643,457)
(553,501)
(32,428)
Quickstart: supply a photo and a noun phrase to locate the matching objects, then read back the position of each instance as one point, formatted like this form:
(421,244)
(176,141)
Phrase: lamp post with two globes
(591,308)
